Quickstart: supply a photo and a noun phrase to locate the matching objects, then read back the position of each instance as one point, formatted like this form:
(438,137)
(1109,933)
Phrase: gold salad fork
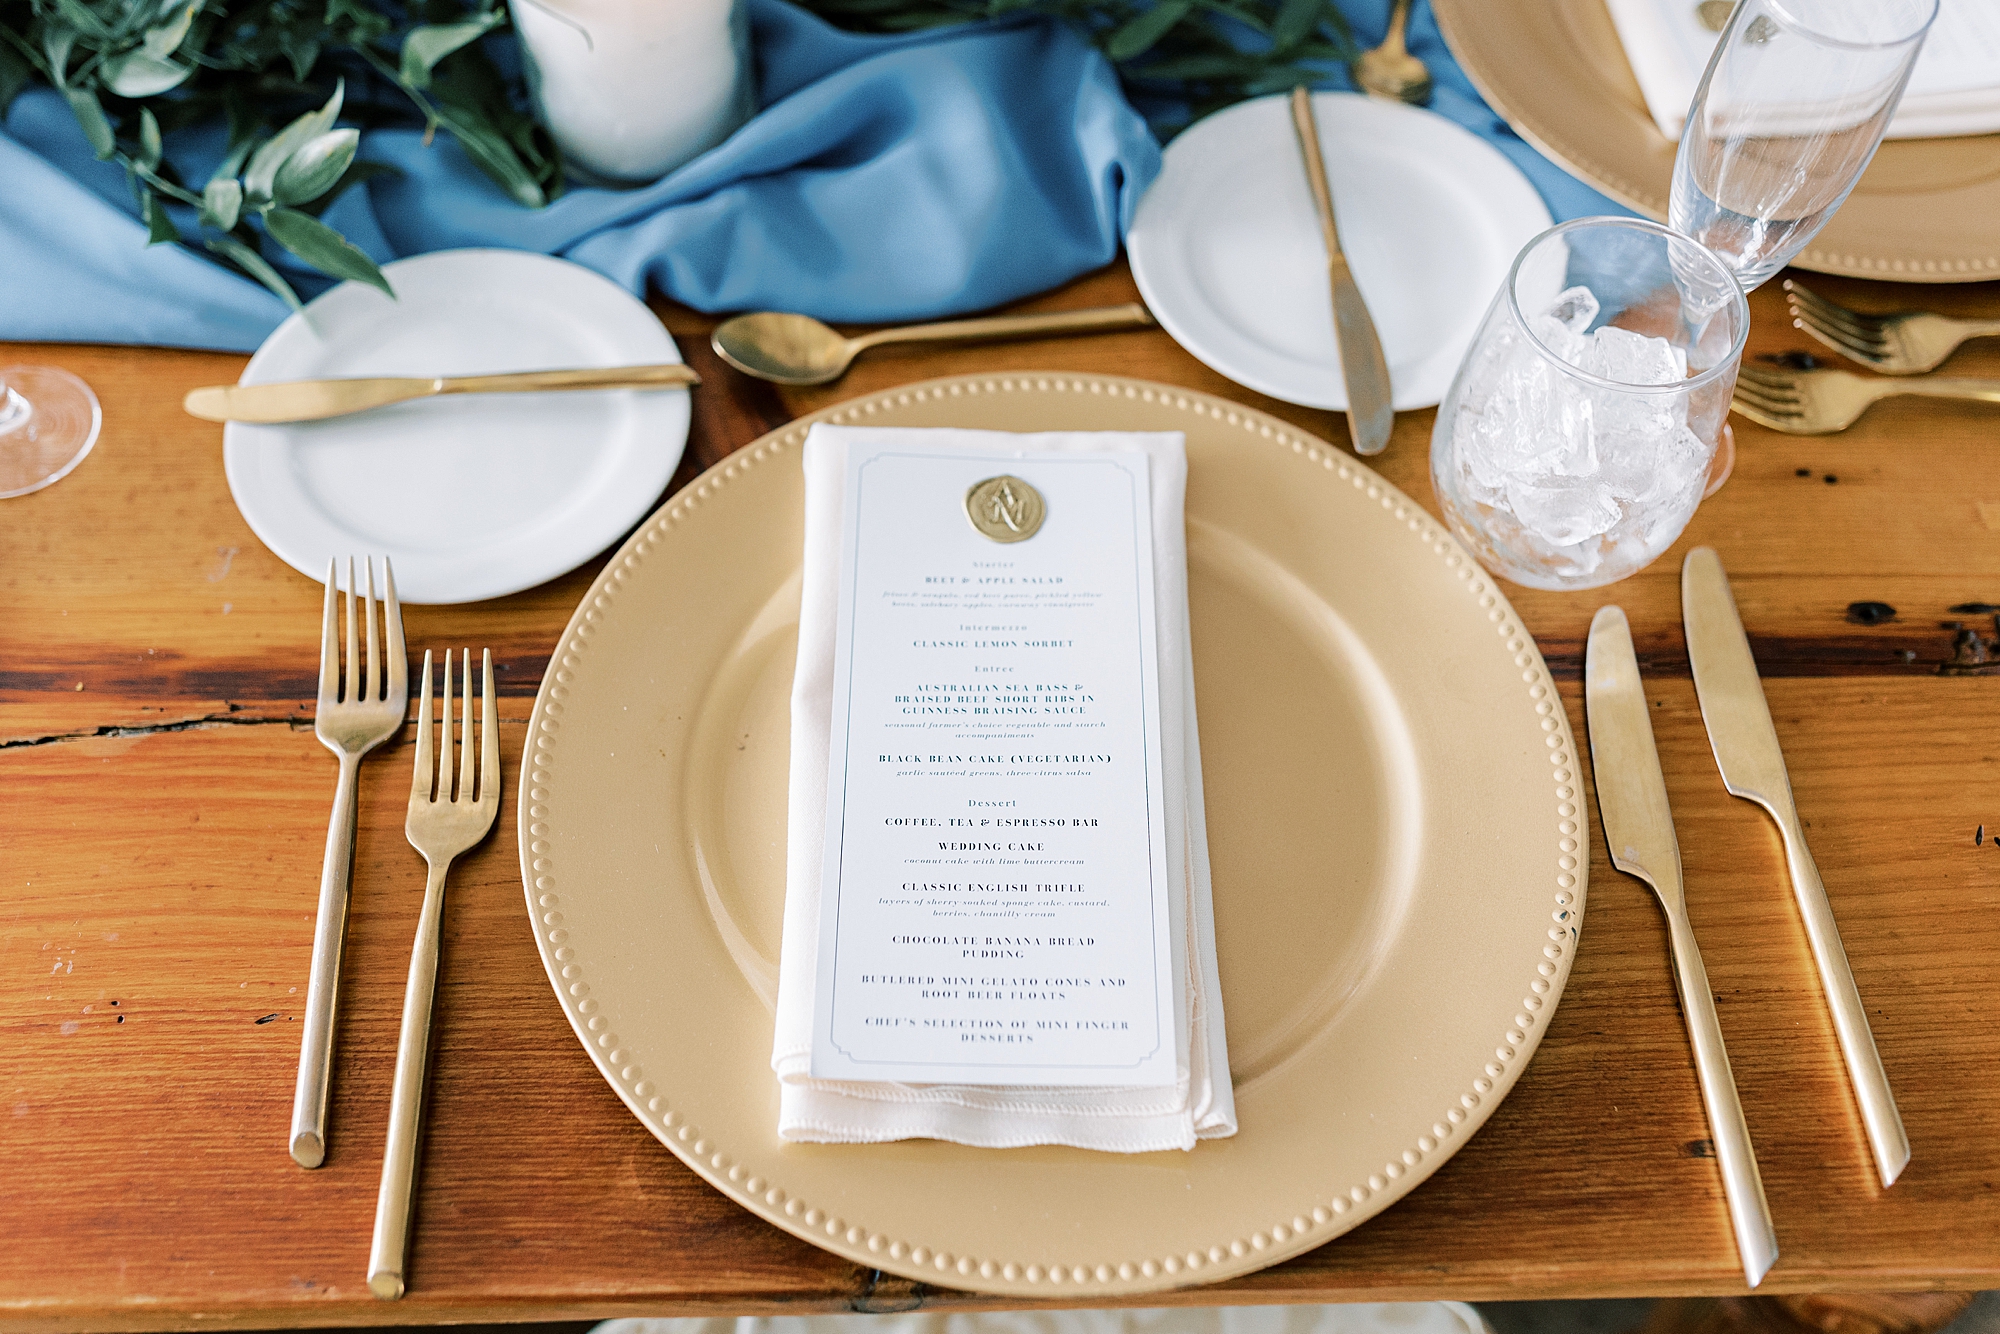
(350,721)
(440,826)
(1818,401)
(1907,344)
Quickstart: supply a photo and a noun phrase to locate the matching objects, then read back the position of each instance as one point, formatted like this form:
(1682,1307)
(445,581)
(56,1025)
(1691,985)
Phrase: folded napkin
(1199,1105)
(1954,89)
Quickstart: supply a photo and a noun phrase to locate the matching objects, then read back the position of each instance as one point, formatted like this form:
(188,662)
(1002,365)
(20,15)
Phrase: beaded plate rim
(1314,1222)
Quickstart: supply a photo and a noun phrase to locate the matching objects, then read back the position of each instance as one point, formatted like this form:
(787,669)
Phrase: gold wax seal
(1005,508)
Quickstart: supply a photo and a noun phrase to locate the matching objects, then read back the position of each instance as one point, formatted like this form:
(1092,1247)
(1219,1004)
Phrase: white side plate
(472,496)
(1227,253)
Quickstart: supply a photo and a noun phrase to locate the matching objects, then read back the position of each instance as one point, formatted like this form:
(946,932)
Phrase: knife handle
(610,377)
(1749,1213)
(1886,1137)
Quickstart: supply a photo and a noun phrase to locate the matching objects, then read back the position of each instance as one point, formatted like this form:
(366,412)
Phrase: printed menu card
(993,905)
(997,922)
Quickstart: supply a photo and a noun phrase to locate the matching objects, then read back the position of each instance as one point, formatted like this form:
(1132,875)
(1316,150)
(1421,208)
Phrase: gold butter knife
(1370,416)
(1753,768)
(311,400)
(1639,830)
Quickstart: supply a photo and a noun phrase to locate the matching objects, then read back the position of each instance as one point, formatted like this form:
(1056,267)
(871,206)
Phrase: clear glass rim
(1728,283)
(1799,25)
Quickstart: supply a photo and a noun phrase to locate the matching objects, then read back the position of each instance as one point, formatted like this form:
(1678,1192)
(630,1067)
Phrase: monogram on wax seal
(1005,508)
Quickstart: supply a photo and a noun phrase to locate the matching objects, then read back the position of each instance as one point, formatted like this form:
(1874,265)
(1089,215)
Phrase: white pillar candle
(631,89)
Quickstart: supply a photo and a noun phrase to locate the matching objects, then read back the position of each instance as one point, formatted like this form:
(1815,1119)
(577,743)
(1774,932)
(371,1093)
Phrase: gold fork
(1816,402)
(439,826)
(350,723)
(1907,344)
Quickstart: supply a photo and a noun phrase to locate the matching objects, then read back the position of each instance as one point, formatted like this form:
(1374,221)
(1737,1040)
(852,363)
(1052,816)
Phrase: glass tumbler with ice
(1582,428)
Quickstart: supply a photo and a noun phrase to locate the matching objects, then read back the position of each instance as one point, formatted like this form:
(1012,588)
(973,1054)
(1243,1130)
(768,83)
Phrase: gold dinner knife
(1753,768)
(1370,416)
(1639,830)
(311,400)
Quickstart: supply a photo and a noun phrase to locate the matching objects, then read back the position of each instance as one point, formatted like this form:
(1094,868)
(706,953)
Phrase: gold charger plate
(1393,814)
(1926,211)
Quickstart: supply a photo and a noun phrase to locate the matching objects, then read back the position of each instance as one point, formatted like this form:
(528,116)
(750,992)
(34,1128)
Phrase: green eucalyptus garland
(1180,59)
(277,72)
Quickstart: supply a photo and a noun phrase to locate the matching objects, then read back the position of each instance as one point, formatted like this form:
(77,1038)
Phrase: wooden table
(163,802)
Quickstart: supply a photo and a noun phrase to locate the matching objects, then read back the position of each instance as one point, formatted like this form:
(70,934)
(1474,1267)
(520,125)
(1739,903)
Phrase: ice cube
(1565,511)
(1574,309)
(1633,358)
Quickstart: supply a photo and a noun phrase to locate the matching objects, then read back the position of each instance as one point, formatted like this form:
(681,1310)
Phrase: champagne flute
(48,422)
(1792,107)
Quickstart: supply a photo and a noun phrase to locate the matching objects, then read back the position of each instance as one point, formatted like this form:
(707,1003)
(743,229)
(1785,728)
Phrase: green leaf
(1143,32)
(357,171)
(302,49)
(56,46)
(159,227)
(264,163)
(497,158)
(427,45)
(312,170)
(324,248)
(82,19)
(150,146)
(222,203)
(166,39)
(254,264)
(137,74)
(90,115)
(1296,20)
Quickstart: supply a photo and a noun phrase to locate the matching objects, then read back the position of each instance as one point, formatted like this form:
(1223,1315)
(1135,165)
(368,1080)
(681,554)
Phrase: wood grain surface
(163,804)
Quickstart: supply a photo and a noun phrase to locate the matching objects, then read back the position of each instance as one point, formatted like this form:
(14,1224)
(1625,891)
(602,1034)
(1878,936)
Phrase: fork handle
(390,1244)
(1947,386)
(308,1140)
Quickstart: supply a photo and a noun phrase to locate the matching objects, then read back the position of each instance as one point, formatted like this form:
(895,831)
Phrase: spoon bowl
(1396,75)
(1390,71)
(785,349)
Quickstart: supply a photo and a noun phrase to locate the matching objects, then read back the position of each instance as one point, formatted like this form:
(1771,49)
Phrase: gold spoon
(1389,71)
(799,350)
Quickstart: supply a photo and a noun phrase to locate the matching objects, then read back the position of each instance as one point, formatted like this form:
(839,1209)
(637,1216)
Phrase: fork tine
(489,735)
(444,734)
(1870,354)
(392,618)
(1808,304)
(351,679)
(465,725)
(1750,393)
(420,783)
(1762,418)
(1824,328)
(371,689)
(1770,384)
(329,639)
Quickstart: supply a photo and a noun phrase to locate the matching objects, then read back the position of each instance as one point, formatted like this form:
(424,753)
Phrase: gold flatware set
(1899,348)
(1639,835)
(355,713)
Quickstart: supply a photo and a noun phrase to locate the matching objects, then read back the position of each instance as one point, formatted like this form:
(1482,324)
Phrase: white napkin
(1954,89)
(1199,1105)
